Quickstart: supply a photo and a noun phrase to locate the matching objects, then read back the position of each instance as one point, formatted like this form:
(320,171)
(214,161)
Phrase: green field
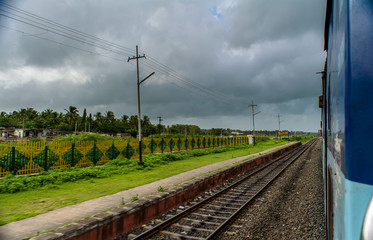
(23,204)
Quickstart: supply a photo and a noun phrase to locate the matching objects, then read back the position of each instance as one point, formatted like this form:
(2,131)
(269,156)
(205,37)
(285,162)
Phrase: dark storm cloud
(257,21)
(266,51)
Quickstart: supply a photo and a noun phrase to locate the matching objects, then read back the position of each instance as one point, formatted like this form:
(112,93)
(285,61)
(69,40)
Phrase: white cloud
(18,77)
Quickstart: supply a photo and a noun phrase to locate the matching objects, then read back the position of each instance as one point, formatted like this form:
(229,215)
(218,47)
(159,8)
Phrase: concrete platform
(63,216)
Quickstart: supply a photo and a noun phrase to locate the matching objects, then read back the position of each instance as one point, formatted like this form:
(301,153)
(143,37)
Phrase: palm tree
(99,120)
(110,116)
(72,115)
(84,119)
(50,118)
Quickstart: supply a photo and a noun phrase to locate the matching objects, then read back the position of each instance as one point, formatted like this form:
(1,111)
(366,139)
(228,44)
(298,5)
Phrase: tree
(84,120)
(109,123)
(6,121)
(99,121)
(90,121)
(72,115)
(50,118)
(133,122)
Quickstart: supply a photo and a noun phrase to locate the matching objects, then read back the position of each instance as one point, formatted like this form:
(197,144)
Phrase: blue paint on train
(359,103)
(350,202)
(350,87)
(348,116)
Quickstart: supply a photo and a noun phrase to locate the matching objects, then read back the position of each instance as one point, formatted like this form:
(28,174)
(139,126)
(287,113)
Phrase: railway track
(209,217)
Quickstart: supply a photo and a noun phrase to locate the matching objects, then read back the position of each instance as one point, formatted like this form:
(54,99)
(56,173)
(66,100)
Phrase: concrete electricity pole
(159,125)
(279,124)
(138,98)
(252,105)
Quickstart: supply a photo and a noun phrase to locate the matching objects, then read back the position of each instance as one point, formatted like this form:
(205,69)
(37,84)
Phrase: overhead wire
(62,44)
(131,51)
(182,79)
(190,84)
(61,33)
(93,41)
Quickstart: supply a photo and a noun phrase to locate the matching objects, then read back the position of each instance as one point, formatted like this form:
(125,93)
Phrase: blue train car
(347,119)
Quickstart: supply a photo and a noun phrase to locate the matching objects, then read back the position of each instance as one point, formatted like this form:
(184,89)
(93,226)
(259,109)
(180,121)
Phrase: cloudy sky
(211,59)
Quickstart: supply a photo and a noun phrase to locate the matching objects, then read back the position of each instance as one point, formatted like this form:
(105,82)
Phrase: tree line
(70,120)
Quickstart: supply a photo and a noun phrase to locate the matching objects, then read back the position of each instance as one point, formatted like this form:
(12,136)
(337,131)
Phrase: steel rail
(177,217)
(235,214)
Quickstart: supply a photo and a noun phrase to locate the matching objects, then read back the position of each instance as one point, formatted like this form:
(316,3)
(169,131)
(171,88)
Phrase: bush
(82,137)
(50,179)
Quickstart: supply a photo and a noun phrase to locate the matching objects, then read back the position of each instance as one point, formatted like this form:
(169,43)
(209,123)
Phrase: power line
(62,44)
(60,33)
(53,27)
(196,86)
(179,79)
(194,83)
(53,23)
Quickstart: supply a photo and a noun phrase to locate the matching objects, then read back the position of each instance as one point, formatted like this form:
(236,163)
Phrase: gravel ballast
(290,208)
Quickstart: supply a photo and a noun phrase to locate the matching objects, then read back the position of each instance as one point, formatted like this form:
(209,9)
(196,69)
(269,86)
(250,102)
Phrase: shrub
(51,179)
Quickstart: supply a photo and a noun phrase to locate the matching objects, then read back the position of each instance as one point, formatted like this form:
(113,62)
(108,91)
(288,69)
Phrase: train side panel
(348,115)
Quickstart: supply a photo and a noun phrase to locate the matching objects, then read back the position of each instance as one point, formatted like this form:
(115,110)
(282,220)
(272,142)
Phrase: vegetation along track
(209,217)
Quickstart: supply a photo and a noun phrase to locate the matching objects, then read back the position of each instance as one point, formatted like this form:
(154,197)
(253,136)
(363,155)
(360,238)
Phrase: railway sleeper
(230,199)
(192,229)
(214,211)
(200,222)
(178,236)
(209,216)
(226,203)
(223,206)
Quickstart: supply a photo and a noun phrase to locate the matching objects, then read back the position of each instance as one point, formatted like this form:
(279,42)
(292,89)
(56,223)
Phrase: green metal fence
(32,157)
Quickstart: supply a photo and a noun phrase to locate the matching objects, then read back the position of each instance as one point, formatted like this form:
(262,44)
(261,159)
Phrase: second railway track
(209,217)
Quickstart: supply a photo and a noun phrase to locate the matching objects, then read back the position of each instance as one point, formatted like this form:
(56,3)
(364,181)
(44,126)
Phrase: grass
(25,204)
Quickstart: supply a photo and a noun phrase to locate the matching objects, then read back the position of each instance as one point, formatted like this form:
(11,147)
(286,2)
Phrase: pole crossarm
(146,78)
(132,58)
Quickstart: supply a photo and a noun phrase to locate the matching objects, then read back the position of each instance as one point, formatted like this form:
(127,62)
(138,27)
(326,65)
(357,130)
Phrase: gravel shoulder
(291,208)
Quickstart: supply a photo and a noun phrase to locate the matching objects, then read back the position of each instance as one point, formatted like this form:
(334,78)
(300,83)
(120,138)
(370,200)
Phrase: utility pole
(252,105)
(138,98)
(279,125)
(159,125)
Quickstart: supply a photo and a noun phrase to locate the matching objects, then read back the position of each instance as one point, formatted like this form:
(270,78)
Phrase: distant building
(7,132)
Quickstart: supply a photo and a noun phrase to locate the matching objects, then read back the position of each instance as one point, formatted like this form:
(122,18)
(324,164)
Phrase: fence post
(112,151)
(45,164)
(94,153)
(128,149)
(72,154)
(13,160)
